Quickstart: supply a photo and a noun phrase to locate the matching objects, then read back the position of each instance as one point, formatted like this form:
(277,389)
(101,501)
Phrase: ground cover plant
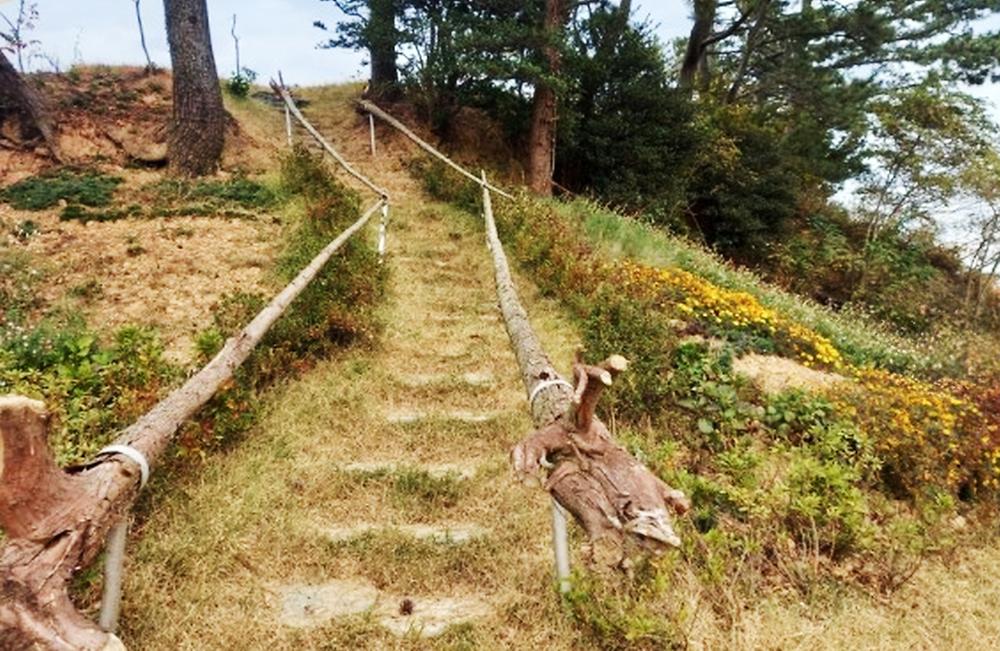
(74,187)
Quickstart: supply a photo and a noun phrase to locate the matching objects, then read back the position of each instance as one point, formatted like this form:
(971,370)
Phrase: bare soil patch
(774,374)
(166,273)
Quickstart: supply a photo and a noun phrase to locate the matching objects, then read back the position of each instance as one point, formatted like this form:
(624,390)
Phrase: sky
(274,35)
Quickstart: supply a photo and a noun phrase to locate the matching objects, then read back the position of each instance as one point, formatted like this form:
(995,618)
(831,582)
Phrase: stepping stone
(405,416)
(478,378)
(435,470)
(431,616)
(455,353)
(311,605)
(474,379)
(472,416)
(455,533)
(415,380)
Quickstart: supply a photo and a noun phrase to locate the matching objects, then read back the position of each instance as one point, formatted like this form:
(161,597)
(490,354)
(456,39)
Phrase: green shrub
(93,390)
(336,309)
(88,188)
(627,613)
(240,82)
(616,326)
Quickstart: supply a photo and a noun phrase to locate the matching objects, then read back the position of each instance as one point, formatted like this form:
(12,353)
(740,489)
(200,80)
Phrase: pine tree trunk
(20,105)
(382,48)
(541,139)
(198,129)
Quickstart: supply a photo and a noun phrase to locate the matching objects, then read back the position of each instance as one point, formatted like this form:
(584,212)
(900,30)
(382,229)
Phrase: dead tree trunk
(22,114)
(545,103)
(610,493)
(197,131)
(57,520)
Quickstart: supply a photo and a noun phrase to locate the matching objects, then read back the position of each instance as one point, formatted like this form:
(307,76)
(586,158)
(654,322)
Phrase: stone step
(431,616)
(303,606)
(472,378)
(307,606)
(406,416)
(465,470)
(455,533)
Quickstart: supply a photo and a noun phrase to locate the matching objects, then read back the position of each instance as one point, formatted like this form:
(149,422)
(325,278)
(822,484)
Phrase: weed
(89,289)
(79,213)
(87,188)
(25,230)
(412,484)
(133,247)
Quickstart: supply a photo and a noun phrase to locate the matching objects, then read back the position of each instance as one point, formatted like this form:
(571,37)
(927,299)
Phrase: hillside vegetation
(842,457)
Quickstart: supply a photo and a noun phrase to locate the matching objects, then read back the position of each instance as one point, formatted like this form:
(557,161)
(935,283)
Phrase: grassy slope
(859,337)
(216,547)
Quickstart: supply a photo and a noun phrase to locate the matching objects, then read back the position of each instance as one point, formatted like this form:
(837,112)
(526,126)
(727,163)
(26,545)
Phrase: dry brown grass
(166,273)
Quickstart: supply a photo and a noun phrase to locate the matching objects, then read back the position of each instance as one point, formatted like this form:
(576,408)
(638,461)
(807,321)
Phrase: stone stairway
(373,505)
(440,357)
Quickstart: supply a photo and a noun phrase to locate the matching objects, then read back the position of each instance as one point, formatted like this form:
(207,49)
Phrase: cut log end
(616,364)
(14,408)
(20,403)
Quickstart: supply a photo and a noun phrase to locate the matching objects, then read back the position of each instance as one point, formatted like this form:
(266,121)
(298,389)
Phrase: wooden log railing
(292,110)
(372,109)
(614,497)
(56,520)
(286,97)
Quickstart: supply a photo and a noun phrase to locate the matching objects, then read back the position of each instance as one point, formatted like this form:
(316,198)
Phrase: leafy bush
(87,188)
(92,389)
(240,81)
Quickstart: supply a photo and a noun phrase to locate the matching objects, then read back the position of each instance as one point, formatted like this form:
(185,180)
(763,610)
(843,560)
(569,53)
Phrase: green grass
(235,196)
(87,188)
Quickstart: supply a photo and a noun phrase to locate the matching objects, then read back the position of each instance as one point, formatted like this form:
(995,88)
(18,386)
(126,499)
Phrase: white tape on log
(133,454)
(545,384)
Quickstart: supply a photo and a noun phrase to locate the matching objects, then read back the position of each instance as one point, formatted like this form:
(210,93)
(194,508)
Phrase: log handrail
(283,93)
(611,494)
(430,149)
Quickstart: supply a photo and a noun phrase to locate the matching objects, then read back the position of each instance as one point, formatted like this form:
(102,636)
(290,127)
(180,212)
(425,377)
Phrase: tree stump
(610,493)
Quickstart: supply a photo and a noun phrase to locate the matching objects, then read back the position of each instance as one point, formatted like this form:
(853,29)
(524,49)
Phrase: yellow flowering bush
(927,434)
(695,297)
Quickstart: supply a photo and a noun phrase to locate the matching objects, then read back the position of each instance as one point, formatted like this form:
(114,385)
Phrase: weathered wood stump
(56,522)
(614,497)
(610,493)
